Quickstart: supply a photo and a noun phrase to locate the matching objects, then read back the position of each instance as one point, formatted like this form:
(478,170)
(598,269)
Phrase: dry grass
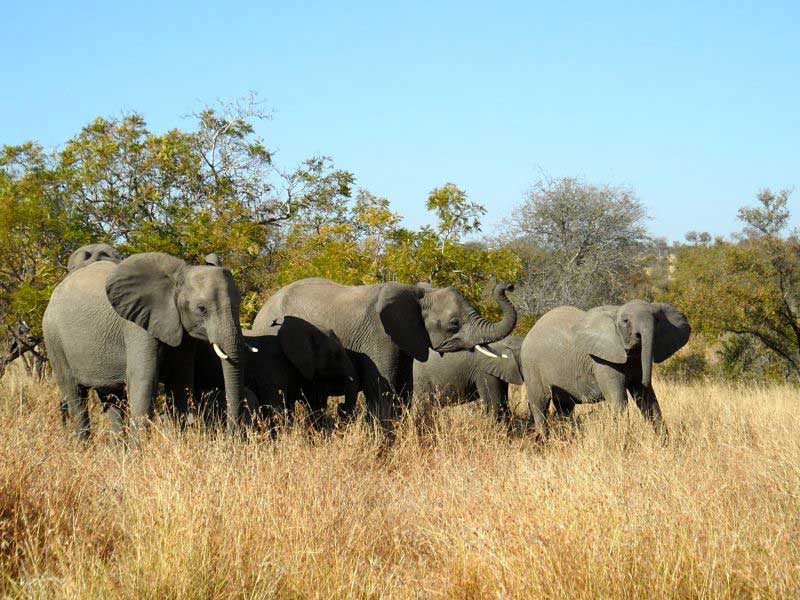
(600,511)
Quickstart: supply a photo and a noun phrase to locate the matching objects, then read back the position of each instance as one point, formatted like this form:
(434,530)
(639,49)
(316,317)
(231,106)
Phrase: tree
(580,244)
(748,287)
(212,188)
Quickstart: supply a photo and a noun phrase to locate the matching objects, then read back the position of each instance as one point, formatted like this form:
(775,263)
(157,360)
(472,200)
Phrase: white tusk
(483,350)
(504,355)
(251,348)
(220,353)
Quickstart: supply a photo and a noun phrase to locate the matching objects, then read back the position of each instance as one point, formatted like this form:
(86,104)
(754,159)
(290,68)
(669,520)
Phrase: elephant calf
(573,356)
(296,361)
(466,376)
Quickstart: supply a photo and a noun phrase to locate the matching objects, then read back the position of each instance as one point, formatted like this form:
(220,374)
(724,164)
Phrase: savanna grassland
(602,510)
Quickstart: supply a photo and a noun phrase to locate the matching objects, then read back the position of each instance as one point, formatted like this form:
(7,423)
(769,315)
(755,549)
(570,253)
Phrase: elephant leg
(77,398)
(421,411)
(346,410)
(67,386)
(538,402)
(563,403)
(74,402)
(612,387)
(380,398)
(142,379)
(63,408)
(179,382)
(111,406)
(645,398)
(494,395)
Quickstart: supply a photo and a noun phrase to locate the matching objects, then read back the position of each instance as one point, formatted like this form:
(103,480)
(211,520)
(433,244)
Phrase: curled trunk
(483,331)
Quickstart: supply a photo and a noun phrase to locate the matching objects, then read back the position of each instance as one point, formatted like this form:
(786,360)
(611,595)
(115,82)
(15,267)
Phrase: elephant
(385,327)
(296,361)
(122,328)
(460,377)
(86,255)
(572,356)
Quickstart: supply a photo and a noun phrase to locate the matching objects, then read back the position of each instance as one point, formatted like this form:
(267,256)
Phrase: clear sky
(694,107)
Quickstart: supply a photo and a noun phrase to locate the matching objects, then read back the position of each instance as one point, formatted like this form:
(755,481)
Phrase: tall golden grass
(601,510)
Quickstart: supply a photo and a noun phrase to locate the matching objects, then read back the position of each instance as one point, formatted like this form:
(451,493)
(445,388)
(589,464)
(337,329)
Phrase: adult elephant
(296,361)
(128,325)
(385,327)
(91,253)
(461,377)
(573,356)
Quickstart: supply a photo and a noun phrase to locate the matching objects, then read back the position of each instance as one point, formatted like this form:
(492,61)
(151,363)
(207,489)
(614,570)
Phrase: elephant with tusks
(385,327)
(122,328)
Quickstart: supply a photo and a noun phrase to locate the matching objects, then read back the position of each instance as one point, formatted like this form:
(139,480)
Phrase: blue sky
(695,108)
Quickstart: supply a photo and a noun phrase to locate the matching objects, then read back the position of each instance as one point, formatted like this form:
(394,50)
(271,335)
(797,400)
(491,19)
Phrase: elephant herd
(124,326)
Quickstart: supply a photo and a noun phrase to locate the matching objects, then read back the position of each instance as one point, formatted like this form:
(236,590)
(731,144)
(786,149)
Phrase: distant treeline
(216,188)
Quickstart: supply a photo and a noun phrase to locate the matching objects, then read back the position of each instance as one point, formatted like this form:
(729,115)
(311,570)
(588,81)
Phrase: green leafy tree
(748,287)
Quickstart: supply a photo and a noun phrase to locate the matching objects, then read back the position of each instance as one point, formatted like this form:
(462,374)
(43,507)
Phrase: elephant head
(86,255)
(419,317)
(613,333)
(504,362)
(167,297)
(316,353)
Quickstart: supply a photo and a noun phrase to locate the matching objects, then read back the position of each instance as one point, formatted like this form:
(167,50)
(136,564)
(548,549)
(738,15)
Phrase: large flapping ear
(596,334)
(401,316)
(142,289)
(671,332)
(296,339)
(506,366)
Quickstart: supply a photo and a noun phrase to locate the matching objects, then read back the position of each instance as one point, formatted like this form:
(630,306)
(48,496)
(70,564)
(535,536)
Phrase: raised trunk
(646,330)
(486,332)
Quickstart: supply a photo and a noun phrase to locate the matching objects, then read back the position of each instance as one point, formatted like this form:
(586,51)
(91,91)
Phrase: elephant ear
(672,331)
(142,289)
(401,317)
(506,366)
(297,343)
(596,335)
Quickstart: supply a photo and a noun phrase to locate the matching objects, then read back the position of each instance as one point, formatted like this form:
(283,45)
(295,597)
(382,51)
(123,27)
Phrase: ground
(601,510)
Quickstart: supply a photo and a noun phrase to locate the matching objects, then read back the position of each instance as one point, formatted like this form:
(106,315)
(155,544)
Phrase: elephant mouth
(450,345)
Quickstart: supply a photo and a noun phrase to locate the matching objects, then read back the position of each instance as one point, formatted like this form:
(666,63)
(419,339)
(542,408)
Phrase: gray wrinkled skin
(295,362)
(573,356)
(122,328)
(91,253)
(385,327)
(467,376)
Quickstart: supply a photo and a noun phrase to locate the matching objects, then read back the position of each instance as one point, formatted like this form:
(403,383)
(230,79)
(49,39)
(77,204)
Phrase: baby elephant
(573,356)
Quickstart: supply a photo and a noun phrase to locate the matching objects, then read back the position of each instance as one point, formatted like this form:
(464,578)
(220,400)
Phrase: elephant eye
(202,309)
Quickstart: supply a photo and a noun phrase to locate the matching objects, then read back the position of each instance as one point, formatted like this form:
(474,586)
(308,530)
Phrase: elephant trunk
(646,330)
(484,331)
(231,344)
